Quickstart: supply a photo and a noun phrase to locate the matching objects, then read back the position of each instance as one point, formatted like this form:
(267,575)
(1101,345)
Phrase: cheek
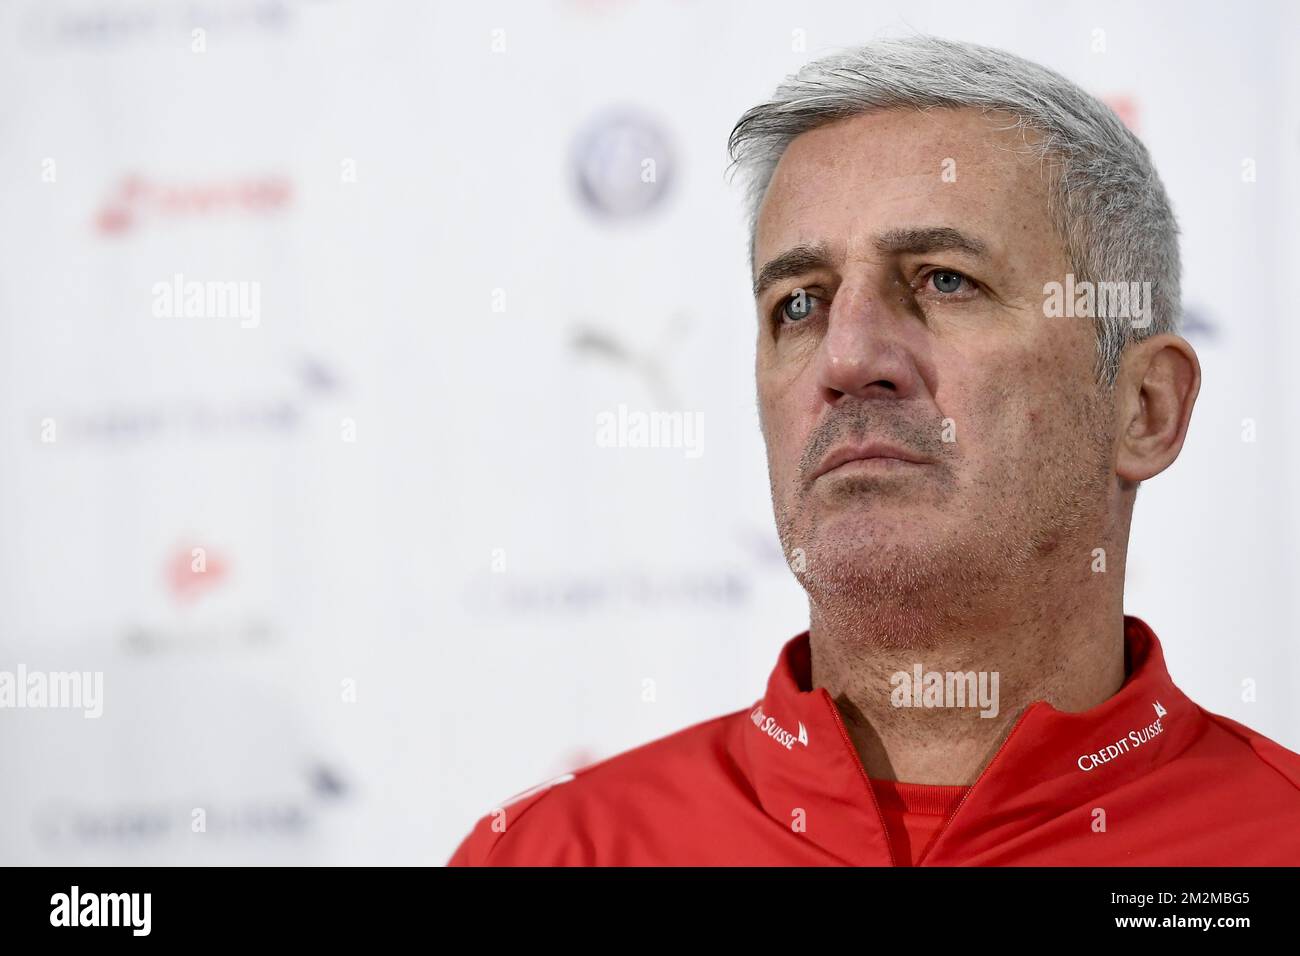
(999,418)
(781,415)
(782,437)
(1024,422)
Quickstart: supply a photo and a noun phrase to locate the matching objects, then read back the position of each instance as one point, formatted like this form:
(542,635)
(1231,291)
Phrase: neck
(1068,653)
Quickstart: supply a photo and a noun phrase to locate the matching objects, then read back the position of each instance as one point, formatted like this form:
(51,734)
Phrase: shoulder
(1267,752)
(566,820)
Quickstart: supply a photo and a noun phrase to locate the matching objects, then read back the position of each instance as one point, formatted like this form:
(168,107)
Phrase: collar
(801,759)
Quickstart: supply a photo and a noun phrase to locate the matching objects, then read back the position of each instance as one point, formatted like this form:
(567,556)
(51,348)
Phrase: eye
(795,308)
(946,281)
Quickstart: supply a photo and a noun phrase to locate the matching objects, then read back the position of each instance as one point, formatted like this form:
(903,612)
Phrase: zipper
(871,791)
(982,774)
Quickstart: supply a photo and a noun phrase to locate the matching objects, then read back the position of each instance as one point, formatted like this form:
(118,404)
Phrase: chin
(886,551)
(867,557)
(863,531)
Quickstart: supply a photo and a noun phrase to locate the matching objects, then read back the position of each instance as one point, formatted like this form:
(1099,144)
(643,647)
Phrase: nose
(865,351)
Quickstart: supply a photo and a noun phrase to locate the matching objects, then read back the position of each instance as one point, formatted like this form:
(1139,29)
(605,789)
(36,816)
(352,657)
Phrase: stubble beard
(873,584)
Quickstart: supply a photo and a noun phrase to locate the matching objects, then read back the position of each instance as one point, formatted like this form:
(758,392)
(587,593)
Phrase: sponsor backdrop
(318,322)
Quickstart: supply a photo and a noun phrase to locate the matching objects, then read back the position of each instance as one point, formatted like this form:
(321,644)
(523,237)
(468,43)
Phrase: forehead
(852,179)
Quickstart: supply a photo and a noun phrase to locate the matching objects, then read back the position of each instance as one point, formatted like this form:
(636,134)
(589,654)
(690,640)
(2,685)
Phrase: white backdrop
(427,585)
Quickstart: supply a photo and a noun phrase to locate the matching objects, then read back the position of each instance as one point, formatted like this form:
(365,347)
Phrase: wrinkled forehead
(849,180)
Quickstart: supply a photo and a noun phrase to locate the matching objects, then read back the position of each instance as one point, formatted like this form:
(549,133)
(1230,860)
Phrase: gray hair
(1106,202)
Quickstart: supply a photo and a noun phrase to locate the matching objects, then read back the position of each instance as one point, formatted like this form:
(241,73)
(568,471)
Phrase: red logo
(193,571)
(138,199)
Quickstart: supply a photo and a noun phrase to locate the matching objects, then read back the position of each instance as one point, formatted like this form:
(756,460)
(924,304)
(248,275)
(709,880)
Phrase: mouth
(874,458)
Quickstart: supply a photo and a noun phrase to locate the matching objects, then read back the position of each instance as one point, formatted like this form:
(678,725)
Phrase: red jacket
(1146,778)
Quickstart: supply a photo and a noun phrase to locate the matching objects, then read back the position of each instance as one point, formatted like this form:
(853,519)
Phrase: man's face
(921,243)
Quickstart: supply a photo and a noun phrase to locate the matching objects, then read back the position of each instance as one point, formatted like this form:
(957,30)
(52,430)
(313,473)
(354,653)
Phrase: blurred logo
(195,418)
(1126,108)
(1198,326)
(138,200)
(52,24)
(220,636)
(252,818)
(623,165)
(615,591)
(650,365)
(192,571)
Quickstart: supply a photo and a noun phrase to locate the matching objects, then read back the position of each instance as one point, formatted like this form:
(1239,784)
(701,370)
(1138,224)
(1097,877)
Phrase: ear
(1159,380)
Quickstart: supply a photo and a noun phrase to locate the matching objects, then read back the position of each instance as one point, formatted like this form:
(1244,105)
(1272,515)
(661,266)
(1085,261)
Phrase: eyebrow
(809,256)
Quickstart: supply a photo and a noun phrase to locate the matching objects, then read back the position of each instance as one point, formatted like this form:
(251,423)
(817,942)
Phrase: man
(966,276)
